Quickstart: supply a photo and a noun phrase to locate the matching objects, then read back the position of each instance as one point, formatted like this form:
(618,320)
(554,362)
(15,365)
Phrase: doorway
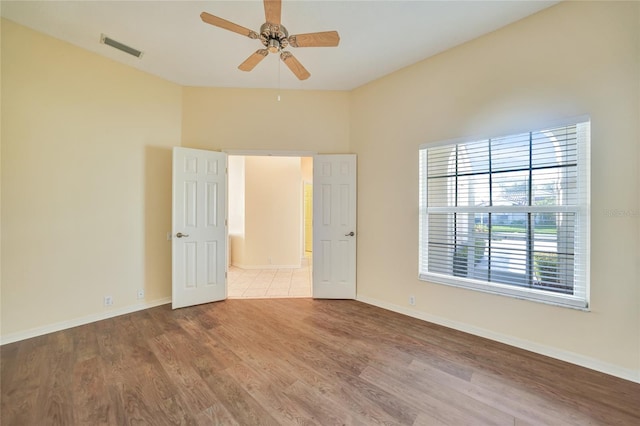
(200,185)
(270,226)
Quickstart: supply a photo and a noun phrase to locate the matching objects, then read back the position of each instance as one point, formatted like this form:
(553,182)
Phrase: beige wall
(236,209)
(251,119)
(265,202)
(306,164)
(236,196)
(574,58)
(273,209)
(86,182)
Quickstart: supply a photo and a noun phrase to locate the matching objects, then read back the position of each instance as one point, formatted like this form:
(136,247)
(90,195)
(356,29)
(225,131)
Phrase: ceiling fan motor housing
(274,37)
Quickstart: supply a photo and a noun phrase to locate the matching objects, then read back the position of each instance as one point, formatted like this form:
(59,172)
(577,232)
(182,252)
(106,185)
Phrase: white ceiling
(376,37)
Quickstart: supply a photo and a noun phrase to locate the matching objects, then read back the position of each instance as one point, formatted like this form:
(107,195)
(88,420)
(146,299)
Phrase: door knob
(350,234)
(180,235)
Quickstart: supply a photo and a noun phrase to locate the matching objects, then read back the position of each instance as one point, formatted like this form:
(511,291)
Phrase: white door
(199,230)
(334,226)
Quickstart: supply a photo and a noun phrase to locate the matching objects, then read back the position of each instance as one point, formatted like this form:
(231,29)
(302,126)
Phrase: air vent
(126,49)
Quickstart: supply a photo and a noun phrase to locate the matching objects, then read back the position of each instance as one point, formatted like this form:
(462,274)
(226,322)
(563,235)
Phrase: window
(509,215)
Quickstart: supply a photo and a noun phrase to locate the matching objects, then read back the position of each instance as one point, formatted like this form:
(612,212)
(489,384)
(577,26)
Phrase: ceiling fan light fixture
(273,45)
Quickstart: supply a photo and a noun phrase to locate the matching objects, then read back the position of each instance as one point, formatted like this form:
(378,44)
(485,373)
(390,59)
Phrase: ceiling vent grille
(123,47)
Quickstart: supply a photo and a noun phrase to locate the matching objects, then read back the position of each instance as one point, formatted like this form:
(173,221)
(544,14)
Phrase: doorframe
(269,153)
(305,239)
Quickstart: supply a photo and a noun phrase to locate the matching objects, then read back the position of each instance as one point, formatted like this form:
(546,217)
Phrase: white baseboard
(63,325)
(241,266)
(571,357)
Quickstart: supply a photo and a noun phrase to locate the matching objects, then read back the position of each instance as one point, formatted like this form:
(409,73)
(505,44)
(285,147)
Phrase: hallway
(270,283)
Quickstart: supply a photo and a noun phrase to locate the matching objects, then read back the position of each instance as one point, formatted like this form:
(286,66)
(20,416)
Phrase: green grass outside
(522,229)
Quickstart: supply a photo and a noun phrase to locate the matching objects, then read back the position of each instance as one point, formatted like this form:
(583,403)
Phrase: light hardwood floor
(295,361)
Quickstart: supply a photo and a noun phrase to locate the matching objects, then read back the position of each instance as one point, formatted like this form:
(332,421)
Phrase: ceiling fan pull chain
(279,80)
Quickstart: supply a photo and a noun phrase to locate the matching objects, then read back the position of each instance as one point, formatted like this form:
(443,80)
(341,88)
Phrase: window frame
(580,209)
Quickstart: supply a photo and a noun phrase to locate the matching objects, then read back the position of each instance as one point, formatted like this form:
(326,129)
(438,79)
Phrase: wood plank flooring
(295,361)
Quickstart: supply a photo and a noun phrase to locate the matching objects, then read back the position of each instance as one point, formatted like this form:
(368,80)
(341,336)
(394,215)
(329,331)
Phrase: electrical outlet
(412,300)
(140,293)
(108,301)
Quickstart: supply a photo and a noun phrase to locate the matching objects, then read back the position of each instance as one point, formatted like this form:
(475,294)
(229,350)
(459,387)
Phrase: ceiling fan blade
(273,11)
(253,60)
(227,25)
(294,65)
(323,39)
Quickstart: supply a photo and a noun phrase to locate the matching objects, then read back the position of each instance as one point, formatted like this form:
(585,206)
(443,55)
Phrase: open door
(199,229)
(334,226)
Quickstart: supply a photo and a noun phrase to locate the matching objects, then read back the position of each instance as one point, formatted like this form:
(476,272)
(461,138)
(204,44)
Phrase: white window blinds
(509,215)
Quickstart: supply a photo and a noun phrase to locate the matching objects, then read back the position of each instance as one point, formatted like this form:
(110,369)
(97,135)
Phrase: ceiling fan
(275,38)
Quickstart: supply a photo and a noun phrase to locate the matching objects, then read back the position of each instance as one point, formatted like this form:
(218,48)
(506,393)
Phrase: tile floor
(270,283)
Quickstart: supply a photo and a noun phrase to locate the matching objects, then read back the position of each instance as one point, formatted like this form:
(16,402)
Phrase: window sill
(515,292)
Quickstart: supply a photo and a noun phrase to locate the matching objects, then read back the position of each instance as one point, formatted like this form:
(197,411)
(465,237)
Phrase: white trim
(524,293)
(63,325)
(269,153)
(562,355)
